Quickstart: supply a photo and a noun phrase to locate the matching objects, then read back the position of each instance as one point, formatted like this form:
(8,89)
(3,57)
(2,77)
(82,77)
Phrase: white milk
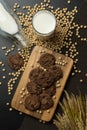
(44,22)
(7,22)
(9,25)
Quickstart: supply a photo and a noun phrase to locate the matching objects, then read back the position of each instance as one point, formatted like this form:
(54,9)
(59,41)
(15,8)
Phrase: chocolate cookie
(33,88)
(56,71)
(15,61)
(45,79)
(46,101)
(47,60)
(32,102)
(51,91)
(34,74)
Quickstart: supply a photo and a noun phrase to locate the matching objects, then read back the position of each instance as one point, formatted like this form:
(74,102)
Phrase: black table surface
(11,120)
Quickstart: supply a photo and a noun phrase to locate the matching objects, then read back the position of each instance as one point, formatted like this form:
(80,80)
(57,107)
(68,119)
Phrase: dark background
(12,120)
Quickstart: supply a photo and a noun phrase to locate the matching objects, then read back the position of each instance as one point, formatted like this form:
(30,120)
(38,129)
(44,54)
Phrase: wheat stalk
(74,116)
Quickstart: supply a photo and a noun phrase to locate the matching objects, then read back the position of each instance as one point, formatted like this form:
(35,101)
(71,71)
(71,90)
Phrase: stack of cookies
(42,84)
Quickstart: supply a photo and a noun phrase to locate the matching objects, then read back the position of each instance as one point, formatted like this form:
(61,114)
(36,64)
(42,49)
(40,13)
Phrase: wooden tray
(21,91)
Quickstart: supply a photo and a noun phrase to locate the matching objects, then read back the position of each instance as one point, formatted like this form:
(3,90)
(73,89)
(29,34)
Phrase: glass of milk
(9,25)
(44,24)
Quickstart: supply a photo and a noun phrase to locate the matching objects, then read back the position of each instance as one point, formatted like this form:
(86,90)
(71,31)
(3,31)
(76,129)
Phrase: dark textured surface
(30,123)
(12,120)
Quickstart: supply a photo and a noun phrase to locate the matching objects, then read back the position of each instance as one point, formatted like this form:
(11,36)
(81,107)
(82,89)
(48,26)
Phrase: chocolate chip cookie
(47,60)
(46,101)
(33,88)
(51,90)
(34,74)
(45,79)
(15,61)
(56,72)
(32,102)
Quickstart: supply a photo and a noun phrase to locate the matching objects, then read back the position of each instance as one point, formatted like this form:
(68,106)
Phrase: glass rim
(44,34)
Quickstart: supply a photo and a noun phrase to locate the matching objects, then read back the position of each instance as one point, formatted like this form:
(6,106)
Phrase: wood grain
(36,53)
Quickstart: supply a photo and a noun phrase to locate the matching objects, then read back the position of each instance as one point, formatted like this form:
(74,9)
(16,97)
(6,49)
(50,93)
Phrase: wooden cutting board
(66,64)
